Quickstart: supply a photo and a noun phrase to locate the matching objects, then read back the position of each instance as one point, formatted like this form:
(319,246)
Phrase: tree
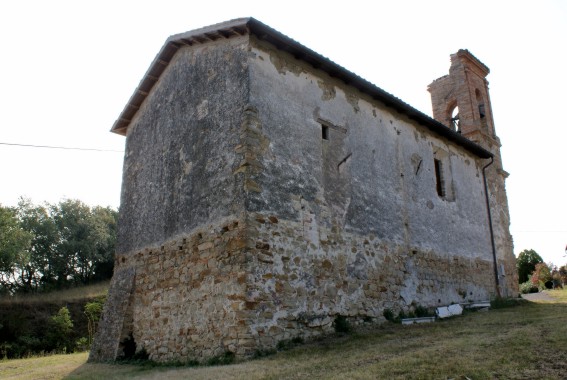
(86,241)
(53,246)
(541,275)
(105,220)
(526,262)
(14,242)
(563,274)
(39,272)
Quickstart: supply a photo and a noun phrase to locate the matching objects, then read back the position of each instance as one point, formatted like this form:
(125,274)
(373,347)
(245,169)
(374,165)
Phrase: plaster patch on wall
(202,109)
(329,91)
(409,291)
(284,65)
(353,101)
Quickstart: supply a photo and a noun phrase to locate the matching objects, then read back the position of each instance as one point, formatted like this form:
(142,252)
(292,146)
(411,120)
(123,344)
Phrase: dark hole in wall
(128,347)
(439,178)
(324,132)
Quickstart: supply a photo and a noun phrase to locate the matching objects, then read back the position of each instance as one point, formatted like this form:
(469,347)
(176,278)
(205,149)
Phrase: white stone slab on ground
(449,311)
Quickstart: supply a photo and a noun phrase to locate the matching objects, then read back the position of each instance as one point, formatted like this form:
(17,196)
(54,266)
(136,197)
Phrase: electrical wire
(61,147)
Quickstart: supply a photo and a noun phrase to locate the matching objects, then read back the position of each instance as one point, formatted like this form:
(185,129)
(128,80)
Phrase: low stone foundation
(302,278)
(245,285)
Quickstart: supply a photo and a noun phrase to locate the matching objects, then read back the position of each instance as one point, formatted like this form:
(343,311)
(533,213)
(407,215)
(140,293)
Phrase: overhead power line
(62,147)
(552,231)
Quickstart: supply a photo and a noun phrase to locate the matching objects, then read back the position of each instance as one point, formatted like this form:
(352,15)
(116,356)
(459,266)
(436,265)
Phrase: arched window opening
(455,122)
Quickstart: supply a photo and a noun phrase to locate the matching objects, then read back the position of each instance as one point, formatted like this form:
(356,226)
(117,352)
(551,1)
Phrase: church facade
(268,191)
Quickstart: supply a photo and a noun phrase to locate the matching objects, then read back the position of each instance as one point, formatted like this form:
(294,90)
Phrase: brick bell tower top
(460,100)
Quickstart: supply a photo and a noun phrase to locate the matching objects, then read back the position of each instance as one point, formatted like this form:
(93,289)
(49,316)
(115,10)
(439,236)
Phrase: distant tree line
(535,275)
(55,246)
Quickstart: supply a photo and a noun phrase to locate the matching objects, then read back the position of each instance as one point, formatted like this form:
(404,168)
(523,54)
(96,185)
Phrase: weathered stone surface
(114,325)
(179,161)
(262,198)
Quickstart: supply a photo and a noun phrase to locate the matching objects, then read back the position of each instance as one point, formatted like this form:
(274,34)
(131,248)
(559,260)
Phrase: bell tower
(461,101)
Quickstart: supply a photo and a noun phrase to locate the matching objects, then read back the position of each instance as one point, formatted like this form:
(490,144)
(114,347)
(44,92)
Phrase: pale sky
(69,67)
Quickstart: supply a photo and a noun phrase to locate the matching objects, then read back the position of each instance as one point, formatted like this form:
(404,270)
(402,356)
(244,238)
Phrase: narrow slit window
(439,178)
(324,132)
(481,111)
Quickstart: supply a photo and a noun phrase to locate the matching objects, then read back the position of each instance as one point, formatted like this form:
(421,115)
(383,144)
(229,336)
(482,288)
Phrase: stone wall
(181,195)
(298,286)
(374,174)
(180,148)
(242,286)
(188,300)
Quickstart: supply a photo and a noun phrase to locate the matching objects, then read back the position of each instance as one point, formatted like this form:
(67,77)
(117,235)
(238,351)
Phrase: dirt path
(541,296)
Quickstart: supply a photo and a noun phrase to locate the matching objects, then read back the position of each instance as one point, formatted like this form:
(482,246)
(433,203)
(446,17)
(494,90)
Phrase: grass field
(66,295)
(528,341)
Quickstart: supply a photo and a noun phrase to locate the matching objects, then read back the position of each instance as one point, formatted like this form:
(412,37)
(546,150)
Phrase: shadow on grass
(525,339)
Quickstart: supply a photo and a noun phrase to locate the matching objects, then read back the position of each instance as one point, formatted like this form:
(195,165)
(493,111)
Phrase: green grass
(66,295)
(559,294)
(521,342)
(47,367)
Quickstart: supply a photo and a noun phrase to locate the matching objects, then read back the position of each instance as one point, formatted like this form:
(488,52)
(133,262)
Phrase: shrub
(500,302)
(421,312)
(389,315)
(24,346)
(82,344)
(540,275)
(93,311)
(60,327)
(528,287)
(403,315)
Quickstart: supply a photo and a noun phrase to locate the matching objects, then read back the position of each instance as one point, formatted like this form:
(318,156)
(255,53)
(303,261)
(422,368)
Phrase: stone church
(267,191)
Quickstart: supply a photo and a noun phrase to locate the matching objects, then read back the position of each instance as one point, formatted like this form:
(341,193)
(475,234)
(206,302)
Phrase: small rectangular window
(439,178)
(324,132)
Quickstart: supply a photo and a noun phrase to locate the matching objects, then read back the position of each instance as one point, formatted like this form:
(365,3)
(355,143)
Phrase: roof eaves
(318,61)
(164,57)
(250,25)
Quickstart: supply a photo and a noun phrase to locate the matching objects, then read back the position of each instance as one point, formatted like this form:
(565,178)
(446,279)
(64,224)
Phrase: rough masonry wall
(298,286)
(180,148)
(179,256)
(375,173)
(360,224)
(188,302)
